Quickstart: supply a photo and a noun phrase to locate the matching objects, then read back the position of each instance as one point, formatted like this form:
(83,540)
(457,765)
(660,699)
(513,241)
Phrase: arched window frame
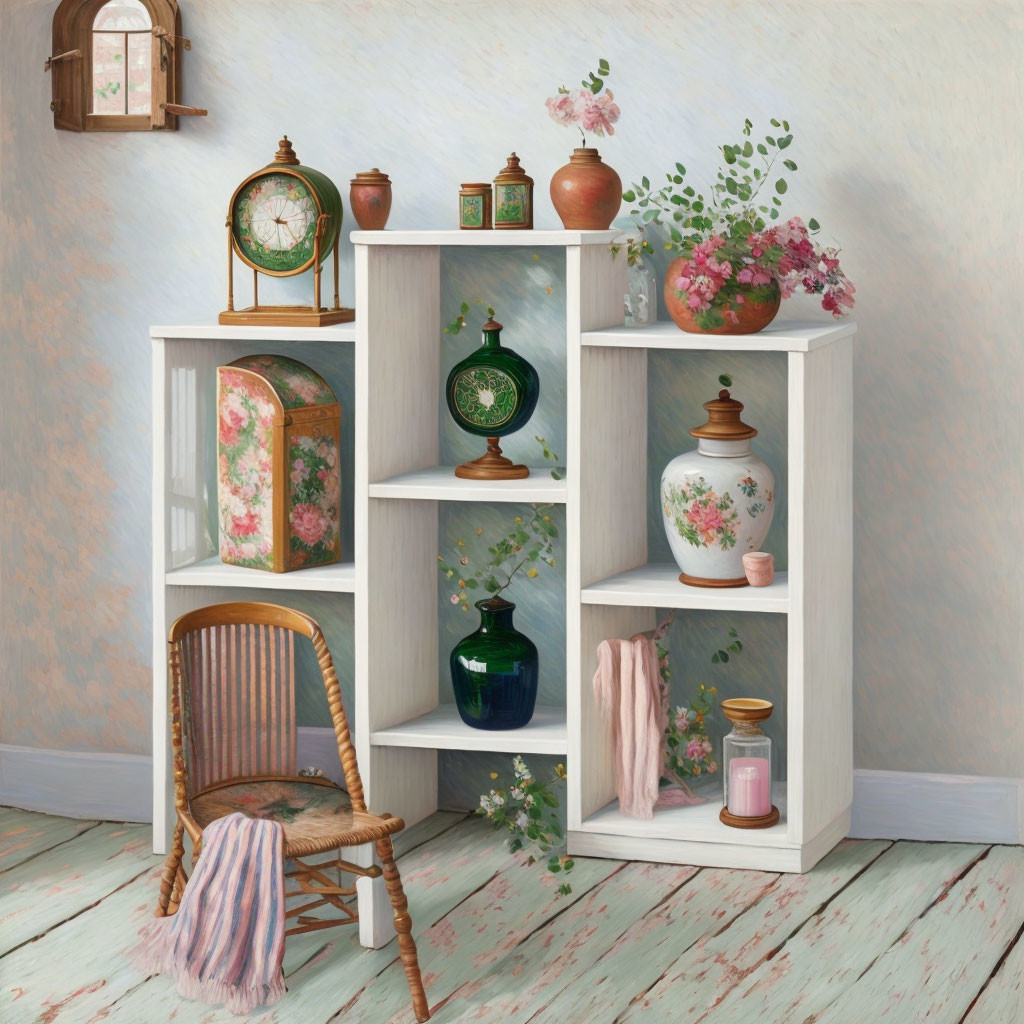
(72,76)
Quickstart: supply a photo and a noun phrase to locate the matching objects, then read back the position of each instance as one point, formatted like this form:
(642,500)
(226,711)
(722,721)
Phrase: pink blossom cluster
(707,518)
(703,276)
(804,263)
(592,113)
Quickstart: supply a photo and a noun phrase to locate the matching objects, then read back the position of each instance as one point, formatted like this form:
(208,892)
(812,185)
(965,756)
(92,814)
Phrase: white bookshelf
(612,590)
(611,587)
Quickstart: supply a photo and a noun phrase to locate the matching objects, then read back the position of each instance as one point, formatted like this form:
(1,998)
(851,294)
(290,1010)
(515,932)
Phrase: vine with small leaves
(521,550)
(524,807)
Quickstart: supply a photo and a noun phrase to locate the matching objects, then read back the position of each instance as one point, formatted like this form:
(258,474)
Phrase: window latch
(70,55)
(183,111)
(164,36)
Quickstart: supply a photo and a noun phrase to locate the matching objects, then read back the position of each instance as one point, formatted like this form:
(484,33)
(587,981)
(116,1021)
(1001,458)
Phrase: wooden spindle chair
(232,678)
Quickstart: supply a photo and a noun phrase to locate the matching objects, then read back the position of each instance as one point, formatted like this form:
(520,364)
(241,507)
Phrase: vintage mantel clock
(491,393)
(284,220)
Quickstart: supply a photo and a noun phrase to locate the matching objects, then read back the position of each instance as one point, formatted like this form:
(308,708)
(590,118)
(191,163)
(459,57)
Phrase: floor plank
(527,979)
(23,834)
(1002,1000)
(68,975)
(63,881)
(702,977)
(323,971)
(479,932)
(830,952)
(697,911)
(933,972)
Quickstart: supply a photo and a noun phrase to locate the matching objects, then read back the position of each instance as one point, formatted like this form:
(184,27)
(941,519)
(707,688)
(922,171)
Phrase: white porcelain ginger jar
(717,501)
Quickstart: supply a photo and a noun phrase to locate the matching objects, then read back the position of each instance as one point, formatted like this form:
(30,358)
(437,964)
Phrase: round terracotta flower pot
(753,316)
(586,192)
(370,199)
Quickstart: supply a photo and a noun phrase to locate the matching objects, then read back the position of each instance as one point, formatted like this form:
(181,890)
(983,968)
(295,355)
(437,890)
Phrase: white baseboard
(886,805)
(940,808)
(77,784)
(114,787)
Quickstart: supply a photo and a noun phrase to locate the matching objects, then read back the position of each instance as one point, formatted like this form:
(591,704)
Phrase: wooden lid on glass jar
(724,423)
(372,177)
(747,709)
(512,173)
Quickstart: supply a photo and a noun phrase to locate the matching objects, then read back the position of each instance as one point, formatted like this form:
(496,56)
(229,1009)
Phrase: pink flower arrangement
(592,109)
(733,251)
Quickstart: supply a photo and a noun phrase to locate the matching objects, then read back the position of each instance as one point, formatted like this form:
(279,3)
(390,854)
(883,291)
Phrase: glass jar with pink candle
(747,766)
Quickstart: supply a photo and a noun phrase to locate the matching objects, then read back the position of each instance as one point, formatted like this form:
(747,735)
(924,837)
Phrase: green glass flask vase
(491,393)
(494,671)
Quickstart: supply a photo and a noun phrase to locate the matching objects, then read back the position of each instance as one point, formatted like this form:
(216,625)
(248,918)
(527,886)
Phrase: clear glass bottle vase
(641,294)
(747,769)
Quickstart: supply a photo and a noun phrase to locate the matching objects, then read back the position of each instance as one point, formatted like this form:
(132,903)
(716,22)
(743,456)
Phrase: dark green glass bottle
(491,393)
(494,671)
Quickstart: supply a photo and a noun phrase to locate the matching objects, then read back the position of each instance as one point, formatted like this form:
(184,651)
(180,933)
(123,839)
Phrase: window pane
(123,15)
(140,78)
(108,60)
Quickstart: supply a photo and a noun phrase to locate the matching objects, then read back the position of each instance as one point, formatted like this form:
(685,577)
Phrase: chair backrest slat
(233,679)
(239,702)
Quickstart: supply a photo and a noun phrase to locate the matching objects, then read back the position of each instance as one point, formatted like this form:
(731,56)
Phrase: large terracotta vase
(754,315)
(586,192)
(494,671)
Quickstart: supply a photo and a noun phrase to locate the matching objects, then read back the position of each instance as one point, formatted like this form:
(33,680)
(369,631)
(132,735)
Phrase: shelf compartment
(212,572)
(443,729)
(784,336)
(229,332)
(439,483)
(657,586)
(504,237)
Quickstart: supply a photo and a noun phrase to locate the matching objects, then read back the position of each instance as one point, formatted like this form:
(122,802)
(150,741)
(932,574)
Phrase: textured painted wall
(903,114)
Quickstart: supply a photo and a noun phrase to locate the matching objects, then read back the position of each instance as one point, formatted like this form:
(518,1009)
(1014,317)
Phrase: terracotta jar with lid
(717,501)
(370,199)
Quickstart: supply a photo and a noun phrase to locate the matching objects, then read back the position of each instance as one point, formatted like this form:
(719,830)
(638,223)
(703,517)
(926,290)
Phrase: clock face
(274,223)
(485,396)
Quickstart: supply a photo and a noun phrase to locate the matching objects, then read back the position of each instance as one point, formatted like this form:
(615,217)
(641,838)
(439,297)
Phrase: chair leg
(403,926)
(168,879)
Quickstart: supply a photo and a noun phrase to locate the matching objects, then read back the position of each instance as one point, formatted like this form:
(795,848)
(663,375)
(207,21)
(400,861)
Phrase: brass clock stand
(287,316)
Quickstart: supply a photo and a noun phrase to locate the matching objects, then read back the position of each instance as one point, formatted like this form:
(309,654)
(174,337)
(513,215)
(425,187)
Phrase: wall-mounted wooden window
(116,66)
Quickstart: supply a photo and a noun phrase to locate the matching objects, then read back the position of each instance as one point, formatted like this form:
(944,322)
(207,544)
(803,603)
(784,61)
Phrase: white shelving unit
(611,589)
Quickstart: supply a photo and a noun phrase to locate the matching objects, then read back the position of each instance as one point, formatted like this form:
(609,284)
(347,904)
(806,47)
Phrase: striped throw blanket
(226,942)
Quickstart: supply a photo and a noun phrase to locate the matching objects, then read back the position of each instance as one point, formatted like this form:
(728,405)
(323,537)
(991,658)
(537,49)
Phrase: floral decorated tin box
(279,466)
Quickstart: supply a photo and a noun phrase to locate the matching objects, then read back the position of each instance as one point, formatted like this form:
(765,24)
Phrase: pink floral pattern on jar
(314,479)
(296,384)
(245,470)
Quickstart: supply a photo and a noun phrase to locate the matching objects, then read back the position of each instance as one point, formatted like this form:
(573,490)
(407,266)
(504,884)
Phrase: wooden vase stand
(703,581)
(492,466)
(739,821)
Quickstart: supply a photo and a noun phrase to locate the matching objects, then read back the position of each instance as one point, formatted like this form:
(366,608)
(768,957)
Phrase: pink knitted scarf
(629,688)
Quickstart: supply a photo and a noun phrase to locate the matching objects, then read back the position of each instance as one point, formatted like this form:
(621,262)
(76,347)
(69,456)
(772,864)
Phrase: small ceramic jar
(759,567)
(513,196)
(475,206)
(370,199)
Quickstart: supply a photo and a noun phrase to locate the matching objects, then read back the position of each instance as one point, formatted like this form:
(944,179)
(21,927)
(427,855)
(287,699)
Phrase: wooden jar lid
(747,709)
(372,177)
(724,423)
(512,173)
(476,186)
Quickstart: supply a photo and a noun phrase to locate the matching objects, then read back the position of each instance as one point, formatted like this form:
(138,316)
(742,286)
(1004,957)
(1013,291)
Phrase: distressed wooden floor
(879,931)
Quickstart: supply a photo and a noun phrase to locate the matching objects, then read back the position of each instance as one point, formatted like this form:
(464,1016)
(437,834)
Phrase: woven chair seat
(316,816)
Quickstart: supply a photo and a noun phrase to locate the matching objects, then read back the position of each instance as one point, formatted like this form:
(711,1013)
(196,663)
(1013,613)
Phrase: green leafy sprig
(521,550)
(525,807)
(735,206)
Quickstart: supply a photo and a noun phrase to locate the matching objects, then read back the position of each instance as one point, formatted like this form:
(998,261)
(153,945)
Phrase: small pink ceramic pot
(759,567)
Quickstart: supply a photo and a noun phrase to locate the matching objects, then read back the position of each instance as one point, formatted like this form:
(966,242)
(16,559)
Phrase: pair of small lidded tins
(512,200)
